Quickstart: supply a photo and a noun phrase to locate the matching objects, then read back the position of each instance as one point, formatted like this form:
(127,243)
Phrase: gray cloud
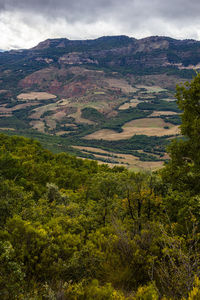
(86,10)
(90,10)
(82,18)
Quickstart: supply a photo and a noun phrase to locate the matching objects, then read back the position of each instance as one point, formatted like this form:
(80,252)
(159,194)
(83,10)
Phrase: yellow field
(147,126)
(163,113)
(148,123)
(35,96)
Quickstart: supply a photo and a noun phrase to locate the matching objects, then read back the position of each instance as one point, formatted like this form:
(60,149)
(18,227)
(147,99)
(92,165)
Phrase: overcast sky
(24,23)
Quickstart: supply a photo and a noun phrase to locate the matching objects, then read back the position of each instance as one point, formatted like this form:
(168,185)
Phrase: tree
(183,169)
(103,189)
(11,274)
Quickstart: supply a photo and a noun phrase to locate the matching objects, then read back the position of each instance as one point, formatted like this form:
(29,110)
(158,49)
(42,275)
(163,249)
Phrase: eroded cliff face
(71,82)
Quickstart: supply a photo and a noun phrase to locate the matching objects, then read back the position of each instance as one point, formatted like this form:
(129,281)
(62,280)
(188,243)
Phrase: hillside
(109,99)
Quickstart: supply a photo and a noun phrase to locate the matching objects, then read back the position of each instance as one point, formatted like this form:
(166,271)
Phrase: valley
(114,94)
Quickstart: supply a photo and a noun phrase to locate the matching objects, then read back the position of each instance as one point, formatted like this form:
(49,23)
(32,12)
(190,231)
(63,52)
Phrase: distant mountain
(153,55)
(88,92)
(117,53)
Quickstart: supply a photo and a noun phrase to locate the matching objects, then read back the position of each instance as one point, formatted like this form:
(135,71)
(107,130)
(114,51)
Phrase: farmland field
(36,96)
(147,126)
(130,161)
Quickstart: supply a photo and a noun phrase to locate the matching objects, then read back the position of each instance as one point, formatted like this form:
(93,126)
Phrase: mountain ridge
(117,37)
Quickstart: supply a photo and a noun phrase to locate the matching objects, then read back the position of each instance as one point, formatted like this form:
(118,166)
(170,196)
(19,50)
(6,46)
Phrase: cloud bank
(25,23)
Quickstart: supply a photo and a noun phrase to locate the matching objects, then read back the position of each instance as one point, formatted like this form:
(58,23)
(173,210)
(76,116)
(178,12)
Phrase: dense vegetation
(159,105)
(73,229)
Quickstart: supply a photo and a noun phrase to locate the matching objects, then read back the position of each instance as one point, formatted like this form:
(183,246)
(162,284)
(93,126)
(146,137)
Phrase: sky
(25,23)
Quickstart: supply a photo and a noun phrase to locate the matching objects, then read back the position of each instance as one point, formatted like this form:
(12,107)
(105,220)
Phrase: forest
(75,229)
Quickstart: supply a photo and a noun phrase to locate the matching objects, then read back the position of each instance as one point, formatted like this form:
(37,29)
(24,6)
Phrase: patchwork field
(5,111)
(37,112)
(130,161)
(95,108)
(113,104)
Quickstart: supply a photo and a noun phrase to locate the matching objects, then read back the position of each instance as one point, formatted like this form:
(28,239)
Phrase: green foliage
(195,293)
(73,229)
(11,272)
(124,116)
(159,105)
(147,293)
(13,122)
(175,120)
(184,167)
(93,115)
